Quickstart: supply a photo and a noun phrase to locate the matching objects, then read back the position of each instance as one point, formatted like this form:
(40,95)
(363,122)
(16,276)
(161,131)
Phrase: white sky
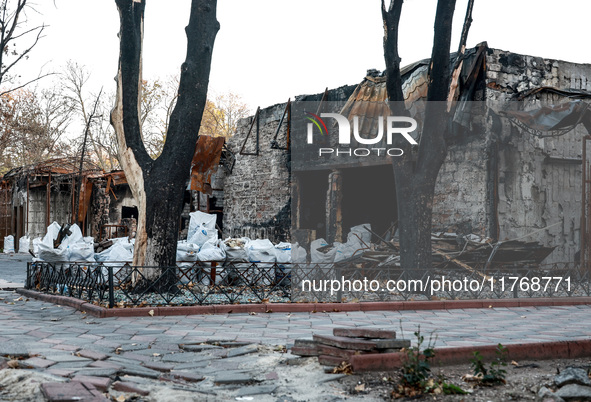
(270,50)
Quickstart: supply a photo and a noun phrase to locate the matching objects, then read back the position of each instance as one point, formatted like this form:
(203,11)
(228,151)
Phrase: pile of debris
(450,250)
(346,342)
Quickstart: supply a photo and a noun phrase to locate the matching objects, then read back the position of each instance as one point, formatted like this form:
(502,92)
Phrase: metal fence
(199,283)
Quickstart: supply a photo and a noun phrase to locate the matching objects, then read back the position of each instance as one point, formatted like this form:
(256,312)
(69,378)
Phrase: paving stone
(90,354)
(134,346)
(257,390)
(60,372)
(193,365)
(37,362)
(61,358)
(106,365)
(129,387)
(69,348)
(244,350)
(330,361)
(392,343)
(229,377)
(305,351)
(137,357)
(572,375)
(345,343)
(187,376)
(71,365)
(234,344)
(96,372)
(140,371)
(364,333)
(100,383)
(163,367)
(71,391)
(13,349)
(574,392)
(184,357)
(198,348)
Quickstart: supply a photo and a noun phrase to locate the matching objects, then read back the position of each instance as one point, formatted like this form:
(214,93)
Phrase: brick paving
(125,352)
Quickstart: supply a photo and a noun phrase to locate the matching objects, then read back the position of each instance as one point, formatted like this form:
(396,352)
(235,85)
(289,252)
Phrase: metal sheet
(205,160)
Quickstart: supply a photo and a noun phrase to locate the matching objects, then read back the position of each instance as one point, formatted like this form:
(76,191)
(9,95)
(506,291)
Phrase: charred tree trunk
(415,173)
(158,185)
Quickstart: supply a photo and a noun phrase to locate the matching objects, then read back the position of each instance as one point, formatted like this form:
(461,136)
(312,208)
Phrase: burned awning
(208,152)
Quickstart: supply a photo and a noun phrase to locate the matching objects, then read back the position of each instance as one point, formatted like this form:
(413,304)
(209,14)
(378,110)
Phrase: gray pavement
(13,270)
(151,352)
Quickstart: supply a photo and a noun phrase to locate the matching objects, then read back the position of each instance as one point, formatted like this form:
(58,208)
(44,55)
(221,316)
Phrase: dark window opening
(129,212)
(369,196)
(313,187)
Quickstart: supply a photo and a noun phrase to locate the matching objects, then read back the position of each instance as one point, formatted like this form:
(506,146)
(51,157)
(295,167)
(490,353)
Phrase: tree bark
(415,174)
(158,185)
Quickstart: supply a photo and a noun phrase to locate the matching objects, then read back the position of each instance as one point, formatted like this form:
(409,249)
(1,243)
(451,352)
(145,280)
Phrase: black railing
(199,283)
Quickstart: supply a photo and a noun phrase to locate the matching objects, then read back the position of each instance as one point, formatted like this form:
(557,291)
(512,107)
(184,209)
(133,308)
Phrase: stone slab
(364,333)
(198,347)
(13,349)
(129,387)
(392,343)
(574,392)
(241,351)
(100,383)
(70,392)
(330,360)
(572,375)
(227,378)
(257,390)
(90,354)
(345,343)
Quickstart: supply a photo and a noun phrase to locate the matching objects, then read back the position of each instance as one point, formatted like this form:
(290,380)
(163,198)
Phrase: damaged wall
(257,192)
(460,201)
(540,179)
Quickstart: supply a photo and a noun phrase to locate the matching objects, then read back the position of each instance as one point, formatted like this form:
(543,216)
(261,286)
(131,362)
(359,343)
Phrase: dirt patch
(523,382)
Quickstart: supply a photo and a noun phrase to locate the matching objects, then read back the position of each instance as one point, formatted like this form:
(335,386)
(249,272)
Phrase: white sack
(202,235)
(283,252)
(235,249)
(199,218)
(24,244)
(318,256)
(9,244)
(299,255)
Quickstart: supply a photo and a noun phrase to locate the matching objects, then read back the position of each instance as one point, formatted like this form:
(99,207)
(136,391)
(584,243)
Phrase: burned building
(34,196)
(502,179)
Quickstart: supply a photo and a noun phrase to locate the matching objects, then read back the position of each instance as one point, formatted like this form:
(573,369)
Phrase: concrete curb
(457,355)
(102,312)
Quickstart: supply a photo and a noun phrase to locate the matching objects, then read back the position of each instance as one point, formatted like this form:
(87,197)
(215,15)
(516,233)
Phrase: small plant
(416,368)
(416,371)
(495,373)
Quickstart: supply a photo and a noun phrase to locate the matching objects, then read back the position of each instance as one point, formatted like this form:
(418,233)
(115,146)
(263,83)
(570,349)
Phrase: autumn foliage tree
(32,127)
(158,184)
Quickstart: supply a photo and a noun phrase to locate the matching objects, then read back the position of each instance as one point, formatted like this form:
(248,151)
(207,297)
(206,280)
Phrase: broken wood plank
(461,264)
